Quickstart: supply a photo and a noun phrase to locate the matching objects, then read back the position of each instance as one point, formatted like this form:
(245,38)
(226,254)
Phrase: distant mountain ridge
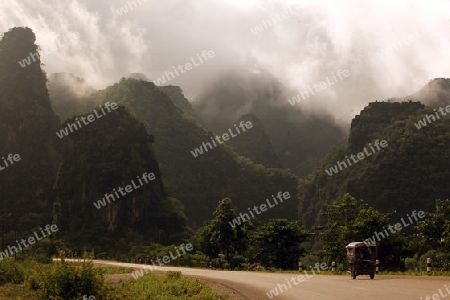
(435,94)
(409,174)
(157,127)
(300,139)
(199,183)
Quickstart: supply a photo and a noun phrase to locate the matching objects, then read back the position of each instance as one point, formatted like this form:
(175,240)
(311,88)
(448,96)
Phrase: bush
(10,271)
(197,259)
(411,264)
(63,280)
(238,263)
(311,260)
(439,261)
(258,268)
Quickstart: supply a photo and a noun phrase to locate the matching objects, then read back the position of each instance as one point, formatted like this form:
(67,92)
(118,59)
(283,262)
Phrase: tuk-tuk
(362,259)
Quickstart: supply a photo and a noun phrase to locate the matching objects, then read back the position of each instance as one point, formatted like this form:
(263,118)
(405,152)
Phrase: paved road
(255,285)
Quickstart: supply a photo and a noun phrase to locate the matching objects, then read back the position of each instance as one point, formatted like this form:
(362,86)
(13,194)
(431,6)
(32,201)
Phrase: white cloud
(301,50)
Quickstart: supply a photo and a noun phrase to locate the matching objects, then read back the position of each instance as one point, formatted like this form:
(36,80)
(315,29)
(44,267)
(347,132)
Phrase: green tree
(222,232)
(218,234)
(434,232)
(351,220)
(340,216)
(204,242)
(278,243)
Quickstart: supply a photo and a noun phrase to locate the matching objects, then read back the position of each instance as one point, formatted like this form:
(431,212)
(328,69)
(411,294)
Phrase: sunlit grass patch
(108,270)
(170,286)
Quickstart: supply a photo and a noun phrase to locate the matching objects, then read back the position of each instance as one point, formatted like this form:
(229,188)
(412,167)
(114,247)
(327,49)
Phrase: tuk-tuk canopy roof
(359,244)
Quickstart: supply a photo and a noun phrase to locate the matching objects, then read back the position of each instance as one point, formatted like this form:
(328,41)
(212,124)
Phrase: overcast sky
(303,47)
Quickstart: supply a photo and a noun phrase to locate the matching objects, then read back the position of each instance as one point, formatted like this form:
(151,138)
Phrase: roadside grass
(170,286)
(105,269)
(108,270)
(12,291)
(67,281)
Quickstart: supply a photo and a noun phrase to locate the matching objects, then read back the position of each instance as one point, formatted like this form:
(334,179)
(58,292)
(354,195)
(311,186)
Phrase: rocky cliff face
(27,128)
(104,178)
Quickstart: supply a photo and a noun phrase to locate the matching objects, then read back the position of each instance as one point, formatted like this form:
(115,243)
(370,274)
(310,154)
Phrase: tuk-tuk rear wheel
(372,275)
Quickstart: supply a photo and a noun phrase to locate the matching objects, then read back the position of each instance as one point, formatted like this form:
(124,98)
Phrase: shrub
(10,271)
(192,260)
(238,263)
(258,268)
(63,280)
(411,264)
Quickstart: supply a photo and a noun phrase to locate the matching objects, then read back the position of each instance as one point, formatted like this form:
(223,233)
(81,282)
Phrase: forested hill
(387,180)
(435,94)
(256,144)
(301,139)
(27,129)
(112,152)
(200,182)
(52,177)
(410,171)
(409,174)
(372,120)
